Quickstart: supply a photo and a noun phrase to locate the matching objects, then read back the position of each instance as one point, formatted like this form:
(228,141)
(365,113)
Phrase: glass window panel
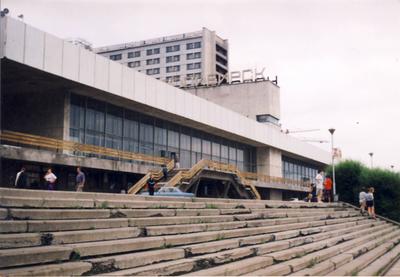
(196,144)
(206,147)
(173,139)
(185,142)
(160,136)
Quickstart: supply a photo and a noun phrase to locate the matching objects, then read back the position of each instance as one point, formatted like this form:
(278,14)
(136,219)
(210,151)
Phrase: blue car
(170,191)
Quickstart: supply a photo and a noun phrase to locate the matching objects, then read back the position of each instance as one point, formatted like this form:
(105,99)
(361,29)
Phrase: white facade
(174,59)
(32,47)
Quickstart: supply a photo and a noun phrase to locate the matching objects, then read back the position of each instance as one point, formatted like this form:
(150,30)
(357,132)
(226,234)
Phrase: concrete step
(23,226)
(196,249)
(295,259)
(46,214)
(374,250)
(34,255)
(55,238)
(37,202)
(377,267)
(394,270)
(335,256)
(115,196)
(178,220)
(60,269)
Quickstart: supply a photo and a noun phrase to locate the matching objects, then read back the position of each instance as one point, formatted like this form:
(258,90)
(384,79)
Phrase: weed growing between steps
(211,206)
(104,205)
(75,256)
(46,239)
(101,268)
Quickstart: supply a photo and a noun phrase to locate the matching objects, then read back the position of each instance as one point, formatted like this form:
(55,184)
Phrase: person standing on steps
(361,199)
(21,179)
(150,185)
(328,189)
(319,182)
(80,179)
(369,197)
(50,179)
(165,172)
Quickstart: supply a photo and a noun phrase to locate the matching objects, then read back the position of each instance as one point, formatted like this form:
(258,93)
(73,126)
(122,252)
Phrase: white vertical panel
(34,47)
(188,105)
(151,90)
(86,66)
(171,98)
(115,78)
(15,39)
(179,103)
(140,87)
(53,54)
(161,97)
(101,72)
(196,108)
(70,61)
(127,82)
(203,109)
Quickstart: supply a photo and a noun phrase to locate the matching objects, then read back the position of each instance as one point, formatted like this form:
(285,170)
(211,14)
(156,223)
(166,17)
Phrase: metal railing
(63,145)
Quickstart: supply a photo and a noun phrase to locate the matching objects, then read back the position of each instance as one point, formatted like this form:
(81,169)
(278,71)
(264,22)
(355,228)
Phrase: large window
(173,48)
(133,54)
(172,59)
(95,114)
(193,45)
(175,68)
(134,64)
(191,66)
(114,118)
(153,71)
(98,123)
(298,170)
(131,132)
(146,135)
(191,56)
(116,57)
(153,61)
(153,51)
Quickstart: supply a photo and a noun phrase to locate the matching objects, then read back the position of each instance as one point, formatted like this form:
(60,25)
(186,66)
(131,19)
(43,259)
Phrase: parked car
(170,191)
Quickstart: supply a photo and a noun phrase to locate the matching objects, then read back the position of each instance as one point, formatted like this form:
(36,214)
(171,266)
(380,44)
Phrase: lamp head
(331,130)
(371,154)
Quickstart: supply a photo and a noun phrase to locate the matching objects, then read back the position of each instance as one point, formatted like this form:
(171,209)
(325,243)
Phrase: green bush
(352,175)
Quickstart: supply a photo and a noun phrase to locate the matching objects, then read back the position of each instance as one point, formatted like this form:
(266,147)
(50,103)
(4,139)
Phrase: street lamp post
(371,154)
(332,130)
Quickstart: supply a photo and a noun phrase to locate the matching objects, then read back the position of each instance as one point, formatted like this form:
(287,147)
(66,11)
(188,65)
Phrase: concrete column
(67,106)
(269,161)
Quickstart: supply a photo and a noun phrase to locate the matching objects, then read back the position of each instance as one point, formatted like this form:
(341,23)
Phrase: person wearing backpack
(369,197)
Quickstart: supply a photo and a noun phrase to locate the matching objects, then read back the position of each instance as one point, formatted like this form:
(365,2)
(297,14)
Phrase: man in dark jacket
(20,179)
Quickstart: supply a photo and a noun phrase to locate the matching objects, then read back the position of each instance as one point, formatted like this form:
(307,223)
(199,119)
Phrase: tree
(351,176)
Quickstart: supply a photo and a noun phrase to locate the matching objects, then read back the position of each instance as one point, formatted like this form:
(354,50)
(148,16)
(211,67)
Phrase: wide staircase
(67,233)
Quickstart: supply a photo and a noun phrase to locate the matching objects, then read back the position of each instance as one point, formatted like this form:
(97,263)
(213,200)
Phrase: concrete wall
(39,113)
(269,161)
(208,53)
(248,99)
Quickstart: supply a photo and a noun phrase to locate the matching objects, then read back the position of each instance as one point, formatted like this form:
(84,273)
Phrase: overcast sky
(338,61)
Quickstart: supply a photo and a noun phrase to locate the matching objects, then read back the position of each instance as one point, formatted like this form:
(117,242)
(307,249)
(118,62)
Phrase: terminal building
(64,106)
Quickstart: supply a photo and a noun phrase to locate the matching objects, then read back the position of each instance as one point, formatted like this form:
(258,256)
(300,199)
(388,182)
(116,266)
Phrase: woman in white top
(50,180)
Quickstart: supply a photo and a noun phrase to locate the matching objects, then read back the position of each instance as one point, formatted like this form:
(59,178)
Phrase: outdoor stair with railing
(44,233)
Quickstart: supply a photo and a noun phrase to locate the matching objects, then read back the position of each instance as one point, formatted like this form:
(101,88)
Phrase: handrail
(157,175)
(189,174)
(56,144)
